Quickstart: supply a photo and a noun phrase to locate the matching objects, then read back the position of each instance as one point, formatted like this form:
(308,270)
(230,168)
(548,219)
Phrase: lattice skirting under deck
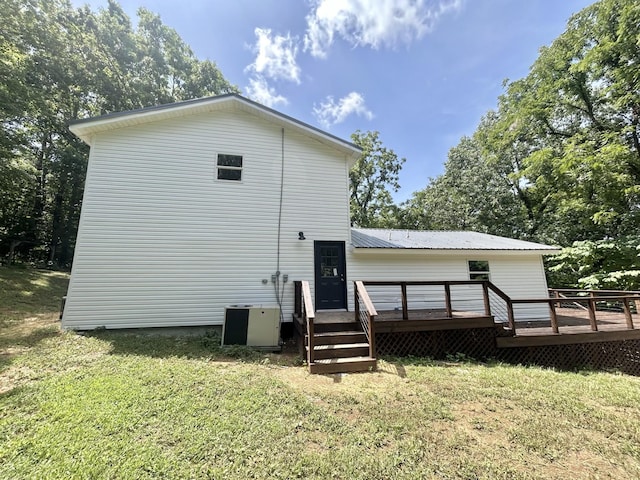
(623,356)
(478,343)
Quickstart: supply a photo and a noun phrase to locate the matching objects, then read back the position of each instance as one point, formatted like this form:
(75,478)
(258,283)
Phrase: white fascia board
(451,252)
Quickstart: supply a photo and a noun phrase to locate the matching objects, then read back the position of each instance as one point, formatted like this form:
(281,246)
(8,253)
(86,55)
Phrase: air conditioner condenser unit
(252,325)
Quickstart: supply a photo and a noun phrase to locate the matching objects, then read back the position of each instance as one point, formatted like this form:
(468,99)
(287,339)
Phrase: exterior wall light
(301,236)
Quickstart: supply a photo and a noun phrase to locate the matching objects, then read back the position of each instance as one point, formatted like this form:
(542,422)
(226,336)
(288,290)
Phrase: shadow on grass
(31,290)
(204,347)
(30,339)
(20,342)
(5,360)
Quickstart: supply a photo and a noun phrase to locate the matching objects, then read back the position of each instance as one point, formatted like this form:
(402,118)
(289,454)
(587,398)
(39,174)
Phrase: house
(193,206)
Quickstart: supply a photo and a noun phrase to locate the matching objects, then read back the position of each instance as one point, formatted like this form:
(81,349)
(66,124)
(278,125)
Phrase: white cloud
(331,112)
(275,56)
(260,91)
(372,22)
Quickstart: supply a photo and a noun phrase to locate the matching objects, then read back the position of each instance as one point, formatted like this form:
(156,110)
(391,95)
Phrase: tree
(579,109)
(602,264)
(471,194)
(59,64)
(559,159)
(374,173)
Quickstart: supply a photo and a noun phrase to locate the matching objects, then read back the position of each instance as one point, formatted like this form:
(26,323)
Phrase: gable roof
(86,128)
(441,240)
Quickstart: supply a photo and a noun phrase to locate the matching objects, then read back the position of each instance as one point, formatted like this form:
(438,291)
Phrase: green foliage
(602,264)
(370,179)
(59,63)
(470,195)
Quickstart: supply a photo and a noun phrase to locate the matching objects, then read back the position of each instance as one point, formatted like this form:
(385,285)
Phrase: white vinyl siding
(162,243)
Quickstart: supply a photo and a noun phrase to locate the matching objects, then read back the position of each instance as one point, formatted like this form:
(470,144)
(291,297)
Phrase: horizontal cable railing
(498,307)
(606,301)
(590,302)
(425,294)
(483,295)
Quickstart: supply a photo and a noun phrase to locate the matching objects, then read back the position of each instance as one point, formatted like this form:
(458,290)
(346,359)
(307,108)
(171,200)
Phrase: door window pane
(329,262)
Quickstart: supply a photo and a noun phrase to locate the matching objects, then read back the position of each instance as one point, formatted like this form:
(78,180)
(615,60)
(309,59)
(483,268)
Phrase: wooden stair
(340,346)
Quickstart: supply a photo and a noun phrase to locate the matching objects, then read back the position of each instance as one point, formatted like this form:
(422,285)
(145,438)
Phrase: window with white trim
(478,270)
(229,167)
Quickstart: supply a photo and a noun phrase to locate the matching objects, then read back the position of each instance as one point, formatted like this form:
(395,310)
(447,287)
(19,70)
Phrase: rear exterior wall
(162,242)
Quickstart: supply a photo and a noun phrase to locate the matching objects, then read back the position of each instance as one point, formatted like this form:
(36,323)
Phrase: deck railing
(607,304)
(304,309)
(588,299)
(591,301)
(489,292)
(365,314)
(446,289)
(511,320)
(496,301)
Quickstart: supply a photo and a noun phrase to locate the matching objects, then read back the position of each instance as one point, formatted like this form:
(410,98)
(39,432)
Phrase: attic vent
(229,167)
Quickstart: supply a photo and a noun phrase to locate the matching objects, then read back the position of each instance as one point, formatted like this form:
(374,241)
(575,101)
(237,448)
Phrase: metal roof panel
(440,240)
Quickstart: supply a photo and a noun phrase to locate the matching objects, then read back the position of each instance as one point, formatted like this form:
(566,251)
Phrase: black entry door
(330,281)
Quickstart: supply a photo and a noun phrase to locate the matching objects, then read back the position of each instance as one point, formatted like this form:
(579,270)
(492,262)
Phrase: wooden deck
(587,336)
(574,327)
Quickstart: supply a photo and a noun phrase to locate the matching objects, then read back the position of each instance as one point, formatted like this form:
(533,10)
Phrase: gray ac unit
(252,325)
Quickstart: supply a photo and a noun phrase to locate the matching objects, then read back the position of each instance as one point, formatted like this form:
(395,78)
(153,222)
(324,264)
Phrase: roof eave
(86,128)
(446,251)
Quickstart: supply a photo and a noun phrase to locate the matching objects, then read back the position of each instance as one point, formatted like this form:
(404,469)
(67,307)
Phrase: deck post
(485,296)
(310,342)
(511,317)
(372,335)
(627,313)
(309,315)
(554,317)
(447,299)
(297,298)
(356,301)
(592,313)
(405,306)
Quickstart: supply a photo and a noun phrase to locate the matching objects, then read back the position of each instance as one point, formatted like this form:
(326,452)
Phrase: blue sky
(421,72)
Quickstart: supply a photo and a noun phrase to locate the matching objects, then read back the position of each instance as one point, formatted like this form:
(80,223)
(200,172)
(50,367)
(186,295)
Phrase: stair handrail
(507,299)
(309,317)
(366,314)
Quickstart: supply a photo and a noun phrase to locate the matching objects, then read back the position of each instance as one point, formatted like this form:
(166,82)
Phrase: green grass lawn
(123,405)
